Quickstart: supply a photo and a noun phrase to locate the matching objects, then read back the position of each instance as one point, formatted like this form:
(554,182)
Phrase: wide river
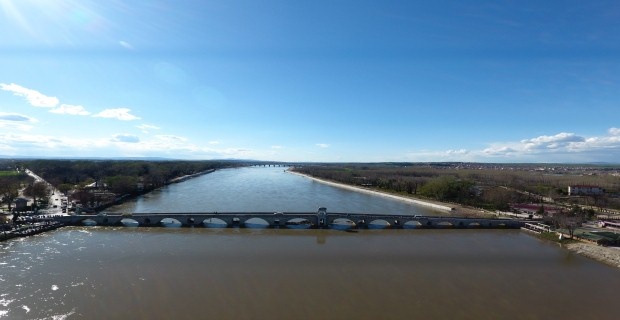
(198,273)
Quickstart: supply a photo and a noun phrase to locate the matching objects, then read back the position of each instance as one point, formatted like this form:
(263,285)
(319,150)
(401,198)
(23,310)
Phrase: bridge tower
(321,217)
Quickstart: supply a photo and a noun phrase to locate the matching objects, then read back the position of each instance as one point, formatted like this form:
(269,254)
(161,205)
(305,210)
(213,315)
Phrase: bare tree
(9,190)
(37,190)
(570,220)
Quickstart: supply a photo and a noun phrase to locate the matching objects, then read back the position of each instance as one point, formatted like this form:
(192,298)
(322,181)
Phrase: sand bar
(376,193)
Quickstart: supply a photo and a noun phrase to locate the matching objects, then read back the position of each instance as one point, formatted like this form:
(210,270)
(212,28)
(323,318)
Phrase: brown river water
(199,273)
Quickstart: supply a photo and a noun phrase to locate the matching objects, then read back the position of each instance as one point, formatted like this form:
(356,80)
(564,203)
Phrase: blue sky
(364,81)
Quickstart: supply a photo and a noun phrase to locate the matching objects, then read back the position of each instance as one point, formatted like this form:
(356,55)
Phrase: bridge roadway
(295,220)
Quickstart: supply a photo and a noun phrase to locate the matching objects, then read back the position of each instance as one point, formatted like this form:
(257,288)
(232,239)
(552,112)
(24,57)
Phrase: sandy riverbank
(442,207)
(607,255)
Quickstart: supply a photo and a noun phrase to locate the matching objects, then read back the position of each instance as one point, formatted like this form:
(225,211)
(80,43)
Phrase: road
(55,199)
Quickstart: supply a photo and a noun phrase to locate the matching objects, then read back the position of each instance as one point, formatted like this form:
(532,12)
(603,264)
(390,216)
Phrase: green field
(9,173)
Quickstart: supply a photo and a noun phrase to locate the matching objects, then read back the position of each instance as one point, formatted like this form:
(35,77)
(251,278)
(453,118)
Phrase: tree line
(491,187)
(121,177)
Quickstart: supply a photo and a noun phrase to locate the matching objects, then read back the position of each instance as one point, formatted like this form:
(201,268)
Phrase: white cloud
(560,147)
(457,152)
(214,142)
(322,145)
(70,109)
(170,138)
(16,121)
(119,113)
(146,128)
(499,150)
(277,147)
(125,45)
(127,138)
(15,117)
(33,97)
(560,140)
(448,155)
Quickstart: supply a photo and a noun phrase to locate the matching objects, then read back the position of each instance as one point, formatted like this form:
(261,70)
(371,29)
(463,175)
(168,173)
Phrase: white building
(585,190)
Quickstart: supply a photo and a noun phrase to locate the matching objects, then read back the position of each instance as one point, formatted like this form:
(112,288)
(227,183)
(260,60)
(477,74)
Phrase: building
(20,204)
(585,190)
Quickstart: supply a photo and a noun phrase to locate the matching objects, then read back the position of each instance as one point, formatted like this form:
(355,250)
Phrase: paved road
(55,198)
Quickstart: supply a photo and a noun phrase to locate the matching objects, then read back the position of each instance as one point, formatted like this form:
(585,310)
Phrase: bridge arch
(89,222)
(127,222)
(474,225)
(444,224)
(413,224)
(342,224)
(214,223)
(379,224)
(256,223)
(299,223)
(170,223)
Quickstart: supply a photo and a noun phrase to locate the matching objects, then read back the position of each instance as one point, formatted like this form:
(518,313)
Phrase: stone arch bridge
(294,220)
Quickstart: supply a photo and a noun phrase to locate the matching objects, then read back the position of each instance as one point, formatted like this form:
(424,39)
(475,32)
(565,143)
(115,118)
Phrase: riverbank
(607,255)
(434,205)
(190,176)
(122,199)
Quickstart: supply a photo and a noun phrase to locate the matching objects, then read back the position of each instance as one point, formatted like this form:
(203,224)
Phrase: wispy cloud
(120,144)
(561,147)
(146,128)
(569,146)
(322,145)
(119,113)
(15,117)
(16,121)
(70,109)
(558,141)
(170,138)
(35,98)
(277,147)
(125,45)
(126,138)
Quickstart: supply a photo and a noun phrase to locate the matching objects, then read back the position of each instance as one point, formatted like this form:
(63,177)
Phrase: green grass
(552,236)
(11,173)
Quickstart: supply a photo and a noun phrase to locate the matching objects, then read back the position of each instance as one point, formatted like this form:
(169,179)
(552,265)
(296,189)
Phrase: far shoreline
(442,207)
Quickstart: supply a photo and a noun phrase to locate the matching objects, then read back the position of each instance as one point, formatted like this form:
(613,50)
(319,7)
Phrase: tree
(570,220)
(37,190)
(83,196)
(65,187)
(122,184)
(9,190)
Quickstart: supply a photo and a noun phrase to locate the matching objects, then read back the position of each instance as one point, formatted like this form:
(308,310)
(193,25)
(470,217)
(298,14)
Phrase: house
(585,190)
(534,208)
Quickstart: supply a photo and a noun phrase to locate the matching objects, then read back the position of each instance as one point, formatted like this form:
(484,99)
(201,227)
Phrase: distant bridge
(294,220)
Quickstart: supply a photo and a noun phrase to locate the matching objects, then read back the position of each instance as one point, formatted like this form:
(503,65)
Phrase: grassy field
(10,173)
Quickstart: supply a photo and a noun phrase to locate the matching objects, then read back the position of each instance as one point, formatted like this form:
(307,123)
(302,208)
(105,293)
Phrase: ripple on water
(63,316)
(5,302)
